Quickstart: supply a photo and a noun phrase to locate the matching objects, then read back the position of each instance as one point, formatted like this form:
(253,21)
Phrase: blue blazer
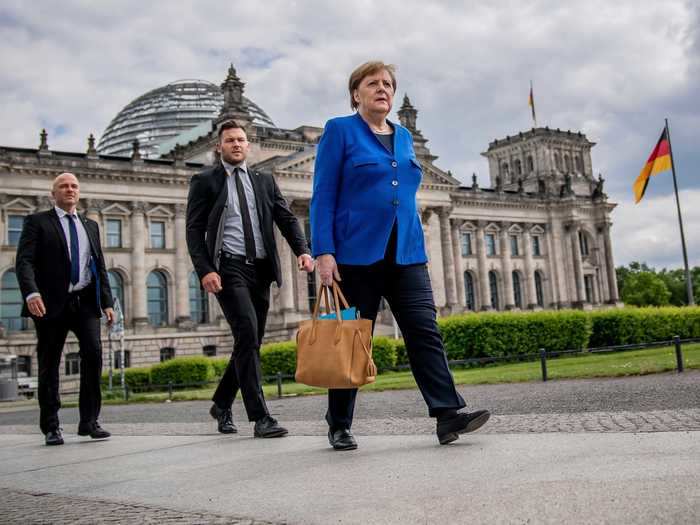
(360,190)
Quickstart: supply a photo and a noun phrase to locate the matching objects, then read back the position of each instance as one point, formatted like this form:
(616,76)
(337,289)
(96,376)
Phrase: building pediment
(116,209)
(19,204)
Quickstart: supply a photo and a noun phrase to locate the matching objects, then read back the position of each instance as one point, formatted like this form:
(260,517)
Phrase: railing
(542,355)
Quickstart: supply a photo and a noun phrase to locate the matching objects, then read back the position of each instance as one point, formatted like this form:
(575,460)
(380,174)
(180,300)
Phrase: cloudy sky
(613,70)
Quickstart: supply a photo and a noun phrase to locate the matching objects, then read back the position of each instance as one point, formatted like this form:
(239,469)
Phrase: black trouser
(409,294)
(244,299)
(78,316)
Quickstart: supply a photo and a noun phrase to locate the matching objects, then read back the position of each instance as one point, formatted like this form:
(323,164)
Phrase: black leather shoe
(267,427)
(342,439)
(224,417)
(449,428)
(94,430)
(54,437)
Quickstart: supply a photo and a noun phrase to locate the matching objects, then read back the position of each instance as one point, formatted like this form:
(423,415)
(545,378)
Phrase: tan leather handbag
(334,353)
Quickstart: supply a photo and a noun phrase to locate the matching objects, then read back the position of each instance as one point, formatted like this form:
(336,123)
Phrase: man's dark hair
(229,124)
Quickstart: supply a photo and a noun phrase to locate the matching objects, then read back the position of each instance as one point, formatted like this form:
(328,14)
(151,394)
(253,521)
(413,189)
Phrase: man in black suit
(62,277)
(230,213)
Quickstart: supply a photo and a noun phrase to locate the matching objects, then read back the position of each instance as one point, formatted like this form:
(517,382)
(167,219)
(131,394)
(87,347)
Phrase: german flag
(659,160)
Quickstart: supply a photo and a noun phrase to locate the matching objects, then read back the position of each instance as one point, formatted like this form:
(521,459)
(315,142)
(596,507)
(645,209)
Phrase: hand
(36,306)
(327,269)
(305,262)
(211,282)
(110,315)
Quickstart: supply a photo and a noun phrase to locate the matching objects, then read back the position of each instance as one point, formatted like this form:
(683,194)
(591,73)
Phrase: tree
(645,288)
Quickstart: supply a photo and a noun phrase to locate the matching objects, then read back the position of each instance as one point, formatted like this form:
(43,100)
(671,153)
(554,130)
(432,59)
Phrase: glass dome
(165,113)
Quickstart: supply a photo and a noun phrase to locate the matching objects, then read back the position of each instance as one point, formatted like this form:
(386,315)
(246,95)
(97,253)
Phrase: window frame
(151,229)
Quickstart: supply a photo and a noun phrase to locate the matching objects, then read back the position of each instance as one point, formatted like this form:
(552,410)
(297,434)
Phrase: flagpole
(688,282)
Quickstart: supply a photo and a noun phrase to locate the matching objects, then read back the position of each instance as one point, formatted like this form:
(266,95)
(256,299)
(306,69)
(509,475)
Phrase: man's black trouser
(244,299)
(409,294)
(78,316)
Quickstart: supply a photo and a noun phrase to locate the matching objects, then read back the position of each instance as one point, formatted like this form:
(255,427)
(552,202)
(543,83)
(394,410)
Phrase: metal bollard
(543,361)
(126,392)
(170,390)
(679,353)
(279,384)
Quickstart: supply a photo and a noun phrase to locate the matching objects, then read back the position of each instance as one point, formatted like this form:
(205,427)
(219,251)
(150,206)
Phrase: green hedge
(133,377)
(220,364)
(278,357)
(499,334)
(384,352)
(196,369)
(643,325)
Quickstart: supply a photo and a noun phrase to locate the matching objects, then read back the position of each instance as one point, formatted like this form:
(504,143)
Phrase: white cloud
(611,70)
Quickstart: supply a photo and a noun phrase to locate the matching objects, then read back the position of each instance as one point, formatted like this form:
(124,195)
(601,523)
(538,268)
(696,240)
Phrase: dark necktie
(248,238)
(74,251)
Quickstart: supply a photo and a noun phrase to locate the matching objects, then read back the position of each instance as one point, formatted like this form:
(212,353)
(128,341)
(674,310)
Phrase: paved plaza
(621,450)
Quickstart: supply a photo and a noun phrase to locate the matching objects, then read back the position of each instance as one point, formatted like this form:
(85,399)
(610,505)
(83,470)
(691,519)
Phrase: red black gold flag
(659,161)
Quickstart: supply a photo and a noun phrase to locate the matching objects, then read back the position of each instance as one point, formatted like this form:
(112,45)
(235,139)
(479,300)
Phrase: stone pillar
(610,266)
(459,268)
(138,264)
(484,292)
(92,212)
(578,265)
(447,260)
(182,282)
(506,268)
(288,273)
(530,292)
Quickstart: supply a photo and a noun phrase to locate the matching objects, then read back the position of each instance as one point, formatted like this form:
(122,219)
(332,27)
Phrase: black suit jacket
(205,206)
(43,263)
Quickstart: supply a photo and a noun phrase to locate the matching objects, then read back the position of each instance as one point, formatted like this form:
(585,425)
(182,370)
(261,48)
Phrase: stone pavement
(590,451)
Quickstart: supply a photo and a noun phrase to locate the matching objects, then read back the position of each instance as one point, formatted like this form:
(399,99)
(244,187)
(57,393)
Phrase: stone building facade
(537,237)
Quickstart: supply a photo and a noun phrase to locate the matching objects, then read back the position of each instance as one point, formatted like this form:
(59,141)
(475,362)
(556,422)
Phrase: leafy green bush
(219,364)
(183,370)
(500,334)
(383,352)
(278,357)
(134,378)
(401,355)
(643,325)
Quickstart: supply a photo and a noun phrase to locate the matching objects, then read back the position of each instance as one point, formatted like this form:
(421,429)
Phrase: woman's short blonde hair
(368,68)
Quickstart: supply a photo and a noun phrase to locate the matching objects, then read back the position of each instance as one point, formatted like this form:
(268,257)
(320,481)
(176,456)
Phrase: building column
(578,265)
(288,273)
(484,291)
(530,295)
(459,269)
(610,266)
(138,264)
(506,268)
(447,260)
(182,282)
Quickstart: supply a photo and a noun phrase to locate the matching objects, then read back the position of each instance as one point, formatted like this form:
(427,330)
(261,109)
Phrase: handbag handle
(339,299)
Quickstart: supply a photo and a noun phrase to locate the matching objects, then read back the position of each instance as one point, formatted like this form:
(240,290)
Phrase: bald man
(62,276)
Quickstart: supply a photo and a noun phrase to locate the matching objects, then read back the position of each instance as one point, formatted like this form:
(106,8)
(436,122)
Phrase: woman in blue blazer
(366,230)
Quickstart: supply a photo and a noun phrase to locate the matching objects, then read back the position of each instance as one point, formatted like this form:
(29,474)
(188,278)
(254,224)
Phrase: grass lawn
(637,362)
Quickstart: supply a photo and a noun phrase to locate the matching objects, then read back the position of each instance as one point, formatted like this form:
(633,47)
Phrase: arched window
(517,291)
(469,291)
(530,164)
(72,364)
(157,290)
(493,288)
(11,303)
(539,290)
(518,167)
(199,303)
(567,163)
(116,284)
(505,170)
(578,163)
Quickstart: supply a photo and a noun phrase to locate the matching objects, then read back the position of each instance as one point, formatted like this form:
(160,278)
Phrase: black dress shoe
(54,437)
(342,439)
(94,430)
(224,417)
(267,427)
(450,427)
